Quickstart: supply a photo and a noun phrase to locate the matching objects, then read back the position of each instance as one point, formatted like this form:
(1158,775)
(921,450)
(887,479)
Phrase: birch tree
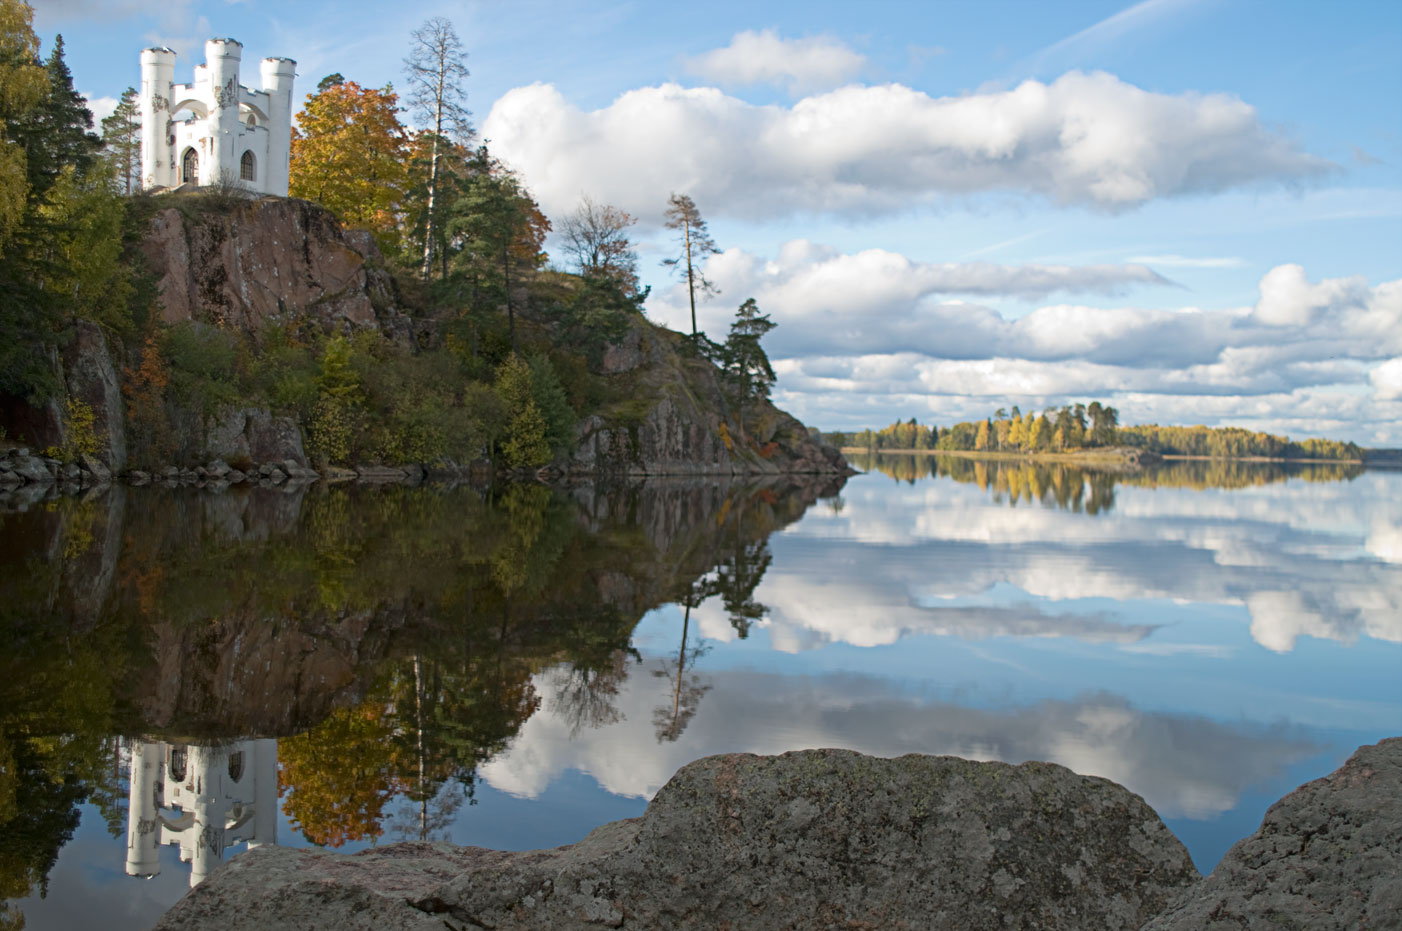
(436,69)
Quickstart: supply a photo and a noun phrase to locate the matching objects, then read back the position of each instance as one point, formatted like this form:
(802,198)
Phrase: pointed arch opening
(190,166)
(248,167)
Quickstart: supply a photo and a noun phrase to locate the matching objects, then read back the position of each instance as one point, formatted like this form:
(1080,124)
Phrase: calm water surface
(185,673)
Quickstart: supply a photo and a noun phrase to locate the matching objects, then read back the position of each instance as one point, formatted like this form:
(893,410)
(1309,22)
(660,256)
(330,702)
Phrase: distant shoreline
(1129,455)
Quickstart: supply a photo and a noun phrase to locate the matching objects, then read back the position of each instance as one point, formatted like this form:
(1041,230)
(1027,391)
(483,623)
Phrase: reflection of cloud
(1183,766)
(1288,552)
(806,611)
(1385,540)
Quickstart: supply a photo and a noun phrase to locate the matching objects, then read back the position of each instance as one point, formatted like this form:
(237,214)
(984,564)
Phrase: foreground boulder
(1328,855)
(812,839)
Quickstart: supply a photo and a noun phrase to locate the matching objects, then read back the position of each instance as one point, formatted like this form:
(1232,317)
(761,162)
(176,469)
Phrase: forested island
(1089,429)
(396,316)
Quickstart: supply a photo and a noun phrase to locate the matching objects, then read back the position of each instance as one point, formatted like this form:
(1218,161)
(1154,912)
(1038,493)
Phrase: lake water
(184,672)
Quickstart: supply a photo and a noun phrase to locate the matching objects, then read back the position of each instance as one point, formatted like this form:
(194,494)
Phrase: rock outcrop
(811,839)
(265,261)
(678,420)
(1327,856)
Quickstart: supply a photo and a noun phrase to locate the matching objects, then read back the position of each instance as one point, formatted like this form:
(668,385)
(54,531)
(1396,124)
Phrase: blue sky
(1191,209)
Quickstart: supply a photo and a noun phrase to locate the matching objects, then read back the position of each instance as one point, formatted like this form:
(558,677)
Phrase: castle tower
(157,135)
(278,75)
(222,57)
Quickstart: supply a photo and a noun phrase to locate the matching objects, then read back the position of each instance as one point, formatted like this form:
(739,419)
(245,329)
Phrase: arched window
(236,765)
(190,166)
(248,168)
(177,764)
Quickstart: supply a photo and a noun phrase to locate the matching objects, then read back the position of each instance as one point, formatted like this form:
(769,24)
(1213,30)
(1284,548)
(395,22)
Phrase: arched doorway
(248,167)
(190,166)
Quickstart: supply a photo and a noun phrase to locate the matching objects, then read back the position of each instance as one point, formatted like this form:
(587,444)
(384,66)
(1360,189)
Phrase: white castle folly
(232,134)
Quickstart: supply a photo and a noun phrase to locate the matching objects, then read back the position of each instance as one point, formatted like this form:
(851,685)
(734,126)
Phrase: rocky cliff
(678,420)
(265,261)
(279,269)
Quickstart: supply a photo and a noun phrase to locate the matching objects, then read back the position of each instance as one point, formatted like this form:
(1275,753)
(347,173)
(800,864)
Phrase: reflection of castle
(202,799)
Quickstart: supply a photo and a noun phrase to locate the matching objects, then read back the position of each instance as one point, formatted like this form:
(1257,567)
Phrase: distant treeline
(1085,426)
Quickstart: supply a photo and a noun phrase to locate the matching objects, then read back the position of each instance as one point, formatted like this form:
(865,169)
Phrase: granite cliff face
(269,260)
(679,420)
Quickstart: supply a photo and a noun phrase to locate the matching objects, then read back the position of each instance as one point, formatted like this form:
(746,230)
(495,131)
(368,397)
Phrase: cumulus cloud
(1387,380)
(1084,139)
(101,108)
(902,335)
(800,65)
(1289,299)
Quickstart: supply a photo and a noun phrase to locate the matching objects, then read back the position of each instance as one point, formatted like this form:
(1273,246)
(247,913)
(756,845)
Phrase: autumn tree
(596,241)
(25,84)
(436,68)
(695,243)
(349,154)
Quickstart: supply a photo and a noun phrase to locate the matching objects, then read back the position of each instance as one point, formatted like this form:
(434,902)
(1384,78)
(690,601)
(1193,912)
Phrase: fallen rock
(811,839)
(32,469)
(1328,855)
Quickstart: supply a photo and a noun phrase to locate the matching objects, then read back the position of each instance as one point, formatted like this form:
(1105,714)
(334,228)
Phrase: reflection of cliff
(201,799)
(403,627)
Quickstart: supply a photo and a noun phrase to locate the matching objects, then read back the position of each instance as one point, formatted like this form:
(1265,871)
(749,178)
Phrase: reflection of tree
(337,777)
(1083,487)
(56,718)
(597,642)
(739,576)
(670,720)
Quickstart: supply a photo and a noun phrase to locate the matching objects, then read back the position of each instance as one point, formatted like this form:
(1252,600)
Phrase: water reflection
(1090,488)
(341,667)
(201,799)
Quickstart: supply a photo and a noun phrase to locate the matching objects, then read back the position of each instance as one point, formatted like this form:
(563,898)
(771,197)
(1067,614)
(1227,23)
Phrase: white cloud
(1084,139)
(876,324)
(1387,380)
(1288,299)
(101,108)
(800,65)
(1185,261)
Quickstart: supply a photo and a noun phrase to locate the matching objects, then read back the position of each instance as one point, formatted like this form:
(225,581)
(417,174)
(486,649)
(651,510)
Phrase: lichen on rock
(810,839)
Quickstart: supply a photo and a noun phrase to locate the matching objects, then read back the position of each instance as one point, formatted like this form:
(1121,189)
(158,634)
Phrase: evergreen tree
(745,364)
(60,132)
(695,242)
(121,136)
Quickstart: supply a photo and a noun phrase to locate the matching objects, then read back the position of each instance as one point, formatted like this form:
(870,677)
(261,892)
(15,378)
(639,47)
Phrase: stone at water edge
(810,839)
(1327,856)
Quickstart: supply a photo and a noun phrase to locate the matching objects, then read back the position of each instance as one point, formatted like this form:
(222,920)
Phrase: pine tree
(695,242)
(121,136)
(745,364)
(59,133)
